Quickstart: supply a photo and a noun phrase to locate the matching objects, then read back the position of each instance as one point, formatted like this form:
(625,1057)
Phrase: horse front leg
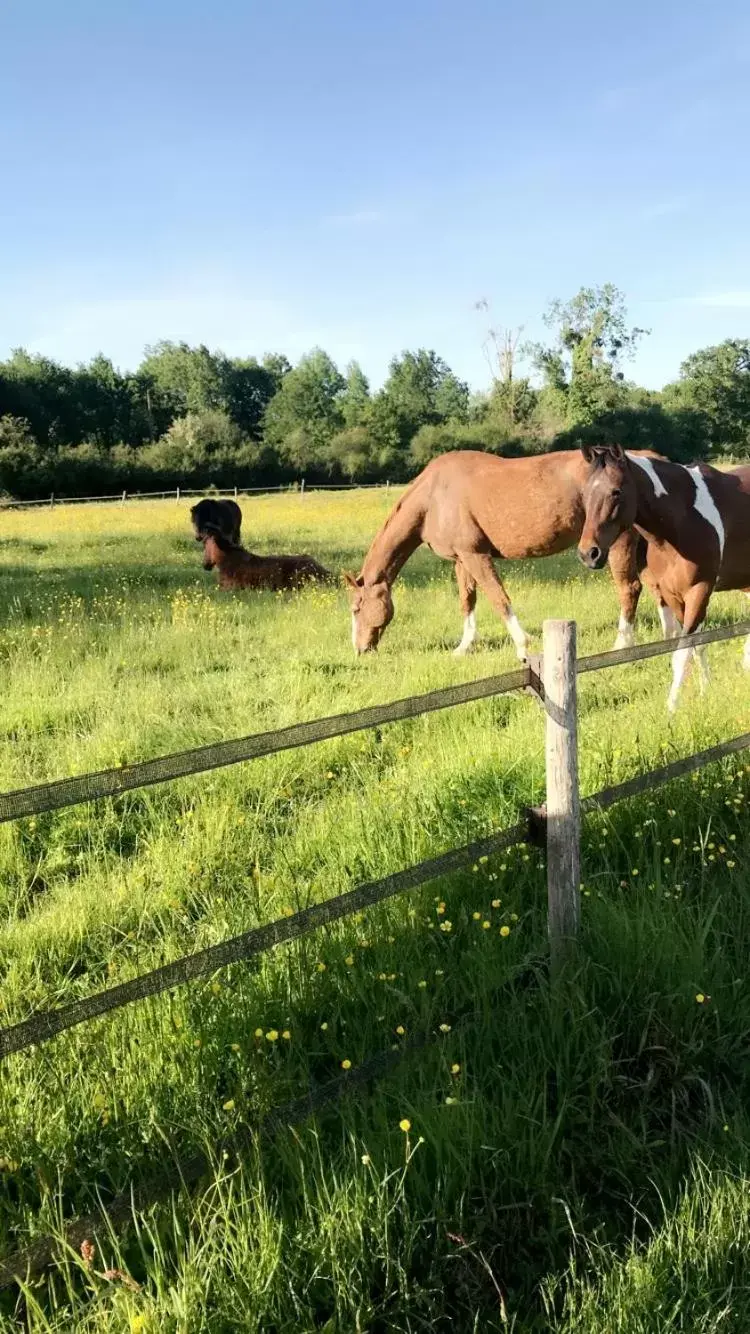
(467,594)
(692,617)
(483,572)
(625,565)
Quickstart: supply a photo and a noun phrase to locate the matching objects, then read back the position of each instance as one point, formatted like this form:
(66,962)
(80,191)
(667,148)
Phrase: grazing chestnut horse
(470,507)
(696,522)
(224,515)
(243,569)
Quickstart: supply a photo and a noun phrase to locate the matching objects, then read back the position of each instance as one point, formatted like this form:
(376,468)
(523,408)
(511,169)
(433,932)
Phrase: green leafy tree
(716,383)
(421,390)
(355,399)
(304,415)
(592,342)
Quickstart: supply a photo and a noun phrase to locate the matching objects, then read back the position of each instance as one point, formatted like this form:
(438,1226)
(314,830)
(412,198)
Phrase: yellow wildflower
(346,1065)
(229,1105)
(405,1125)
(272,1035)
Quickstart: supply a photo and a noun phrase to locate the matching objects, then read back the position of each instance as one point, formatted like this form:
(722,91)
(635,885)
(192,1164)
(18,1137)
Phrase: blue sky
(356,174)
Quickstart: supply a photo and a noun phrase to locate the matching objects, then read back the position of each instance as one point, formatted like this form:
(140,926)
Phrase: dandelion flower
(514,917)
(422,983)
(197,1043)
(286,1035)
(235,1046)
(229,1105)
(701,999)
(445,1028)
(272,1035)
(321,967)
(405,1125)
(504,930)
(440,972)
(259,1032)
(455,1068)
(496,903)
(446,926)
(730,864)
(366,1159)
(486,926)
(451,1101)
(440,908)
(349,960)
(476,916)
(324,1027)
(346,1065)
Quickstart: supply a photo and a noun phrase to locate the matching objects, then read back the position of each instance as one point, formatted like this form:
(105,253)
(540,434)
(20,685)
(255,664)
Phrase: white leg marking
(518,635)
(670,626)
(625,636)
(704,675)
(469,635)
(705,504)
(680,663)
(648,467)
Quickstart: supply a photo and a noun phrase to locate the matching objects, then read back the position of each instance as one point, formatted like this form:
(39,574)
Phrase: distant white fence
(300,488)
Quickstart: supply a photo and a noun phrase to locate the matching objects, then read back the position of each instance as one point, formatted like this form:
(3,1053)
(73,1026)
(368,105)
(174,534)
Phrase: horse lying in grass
(243,569)
(223,515)
(696,522)
(471,507)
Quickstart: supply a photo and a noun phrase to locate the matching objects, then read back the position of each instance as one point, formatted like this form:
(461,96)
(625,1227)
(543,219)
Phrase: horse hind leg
(467,593)
(483,572)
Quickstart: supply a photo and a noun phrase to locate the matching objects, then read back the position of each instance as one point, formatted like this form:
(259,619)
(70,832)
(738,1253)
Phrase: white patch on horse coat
(625,636)
(354,632)
(517,634)
(469,635)
(705,504)
(650,471)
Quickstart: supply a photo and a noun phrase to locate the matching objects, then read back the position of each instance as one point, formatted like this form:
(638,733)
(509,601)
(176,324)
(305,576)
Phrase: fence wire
(112,782)
(47,1024)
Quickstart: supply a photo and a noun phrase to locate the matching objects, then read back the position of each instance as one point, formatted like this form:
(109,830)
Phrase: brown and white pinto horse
(471,507)
(696,522)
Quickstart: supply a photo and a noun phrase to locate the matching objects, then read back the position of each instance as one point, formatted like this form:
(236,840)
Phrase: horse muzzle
(593,557)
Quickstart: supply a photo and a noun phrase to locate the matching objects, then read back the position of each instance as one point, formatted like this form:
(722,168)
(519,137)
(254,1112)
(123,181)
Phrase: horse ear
(617,452)
(351,579)
(589,453)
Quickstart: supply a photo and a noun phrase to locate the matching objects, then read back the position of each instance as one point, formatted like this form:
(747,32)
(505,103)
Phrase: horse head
(610,501)
(372,611)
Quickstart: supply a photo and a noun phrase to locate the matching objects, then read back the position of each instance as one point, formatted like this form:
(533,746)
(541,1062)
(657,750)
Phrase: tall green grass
(564,1144)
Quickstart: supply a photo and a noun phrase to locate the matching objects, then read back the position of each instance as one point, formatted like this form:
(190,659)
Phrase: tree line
(188,416)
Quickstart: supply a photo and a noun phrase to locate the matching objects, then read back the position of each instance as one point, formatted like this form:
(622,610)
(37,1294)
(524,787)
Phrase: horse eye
(616,493)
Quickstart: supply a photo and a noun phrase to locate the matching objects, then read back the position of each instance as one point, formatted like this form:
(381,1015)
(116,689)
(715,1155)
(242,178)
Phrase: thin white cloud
(665,208)
(363,217)
(738,299)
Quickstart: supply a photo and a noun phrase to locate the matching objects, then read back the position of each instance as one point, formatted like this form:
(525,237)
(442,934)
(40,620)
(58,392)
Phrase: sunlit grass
(540,1131)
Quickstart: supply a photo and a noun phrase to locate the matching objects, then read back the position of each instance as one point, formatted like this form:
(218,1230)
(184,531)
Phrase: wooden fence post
(563,811)
(302,489)
(177,497)
(124,497)
(235,493)
(52,501)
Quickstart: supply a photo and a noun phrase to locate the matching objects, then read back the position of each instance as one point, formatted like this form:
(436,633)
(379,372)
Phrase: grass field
(574,1160)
